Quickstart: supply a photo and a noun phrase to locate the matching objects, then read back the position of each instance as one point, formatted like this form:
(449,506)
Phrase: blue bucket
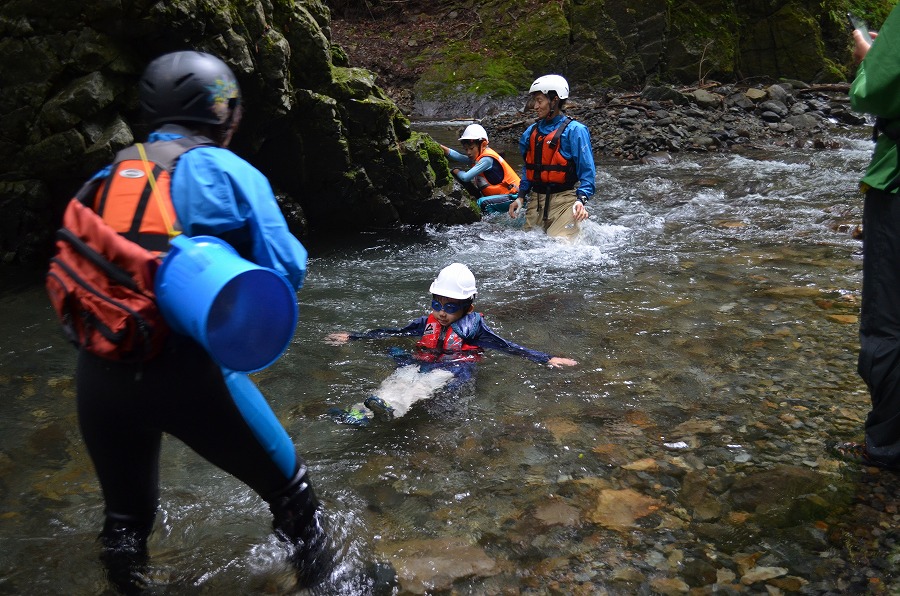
(243,314)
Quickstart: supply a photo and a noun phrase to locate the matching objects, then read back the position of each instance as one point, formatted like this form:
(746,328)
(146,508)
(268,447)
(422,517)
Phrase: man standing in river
(876,90)
(558,163)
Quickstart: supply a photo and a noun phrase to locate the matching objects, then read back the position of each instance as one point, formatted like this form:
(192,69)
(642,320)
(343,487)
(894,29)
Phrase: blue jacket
(575,144)
(217,193)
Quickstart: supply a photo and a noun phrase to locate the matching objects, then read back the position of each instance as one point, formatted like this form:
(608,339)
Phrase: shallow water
(711,304)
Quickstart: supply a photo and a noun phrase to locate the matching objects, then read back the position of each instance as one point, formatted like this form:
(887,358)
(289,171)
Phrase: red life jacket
(100,282)
(546,168)
(444,344)
(510,182)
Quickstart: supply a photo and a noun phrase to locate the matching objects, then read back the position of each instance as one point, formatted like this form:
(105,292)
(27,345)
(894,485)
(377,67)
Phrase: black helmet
(188,87)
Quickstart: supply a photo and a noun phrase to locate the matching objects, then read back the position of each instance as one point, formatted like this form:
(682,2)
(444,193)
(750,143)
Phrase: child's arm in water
(416,327)
(484,337)
(558,361)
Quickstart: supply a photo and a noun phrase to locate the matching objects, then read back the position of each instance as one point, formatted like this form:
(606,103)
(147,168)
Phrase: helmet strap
(554,106)
(227,129)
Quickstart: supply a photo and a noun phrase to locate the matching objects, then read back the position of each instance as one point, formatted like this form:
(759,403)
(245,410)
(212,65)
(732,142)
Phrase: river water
(712,306)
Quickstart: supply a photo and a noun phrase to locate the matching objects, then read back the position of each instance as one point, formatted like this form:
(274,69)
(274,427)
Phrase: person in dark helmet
(193,102)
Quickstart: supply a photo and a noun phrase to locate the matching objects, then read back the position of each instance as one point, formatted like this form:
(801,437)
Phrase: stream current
(712,304)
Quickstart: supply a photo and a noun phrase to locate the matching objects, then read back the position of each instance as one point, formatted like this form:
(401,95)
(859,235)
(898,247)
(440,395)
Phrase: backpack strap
(158,157)
(559,132)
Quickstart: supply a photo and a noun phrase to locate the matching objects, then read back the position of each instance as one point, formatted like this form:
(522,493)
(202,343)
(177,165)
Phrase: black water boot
(298,520)
(124,551)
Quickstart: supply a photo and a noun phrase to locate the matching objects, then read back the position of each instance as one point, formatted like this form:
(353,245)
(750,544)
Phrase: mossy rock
(786,43)
(703,41)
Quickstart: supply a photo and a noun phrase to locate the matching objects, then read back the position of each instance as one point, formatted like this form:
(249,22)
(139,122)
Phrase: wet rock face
(337,150)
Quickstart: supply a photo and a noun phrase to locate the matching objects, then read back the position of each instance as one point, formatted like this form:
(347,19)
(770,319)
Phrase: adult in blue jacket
(124,408)
(558,163)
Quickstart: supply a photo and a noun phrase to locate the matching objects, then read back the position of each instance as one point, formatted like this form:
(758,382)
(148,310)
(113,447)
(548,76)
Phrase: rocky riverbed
(660,121)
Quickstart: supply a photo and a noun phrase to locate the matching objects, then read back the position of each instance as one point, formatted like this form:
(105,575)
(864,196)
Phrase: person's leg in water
(416,380)
(451,400)
(373,406)
(249,443)
(123,409)
(297,519)
(412,381)
(125,453)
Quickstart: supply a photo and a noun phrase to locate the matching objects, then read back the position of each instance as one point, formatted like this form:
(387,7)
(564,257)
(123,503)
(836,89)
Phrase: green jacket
(876,91)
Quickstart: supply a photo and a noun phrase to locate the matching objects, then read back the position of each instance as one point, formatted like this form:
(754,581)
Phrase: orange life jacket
(101,280)
(510,182)
(444,344)
(546,168)
(142,209)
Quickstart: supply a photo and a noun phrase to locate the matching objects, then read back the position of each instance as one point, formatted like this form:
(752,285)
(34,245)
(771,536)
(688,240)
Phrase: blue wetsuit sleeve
(416,327)
(102,173)
(577,143)
(454,155)
(215,192)
(484,164)
(524,184)
(485,338)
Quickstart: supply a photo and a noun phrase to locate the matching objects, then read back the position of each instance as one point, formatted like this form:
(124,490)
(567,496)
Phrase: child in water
(489,175)
(451,340)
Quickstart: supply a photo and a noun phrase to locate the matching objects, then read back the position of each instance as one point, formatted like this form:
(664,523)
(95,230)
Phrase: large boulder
(339,152)
(785,41)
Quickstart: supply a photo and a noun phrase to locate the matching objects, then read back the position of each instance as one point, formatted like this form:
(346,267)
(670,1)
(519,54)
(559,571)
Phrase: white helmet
(548,83)
(454,281)
(474,132)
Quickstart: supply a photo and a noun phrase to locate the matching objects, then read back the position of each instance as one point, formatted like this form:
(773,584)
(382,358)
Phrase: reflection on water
(711,304)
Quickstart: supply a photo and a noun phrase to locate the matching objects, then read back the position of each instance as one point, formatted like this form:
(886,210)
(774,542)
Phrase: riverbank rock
(660,121)
(338,151)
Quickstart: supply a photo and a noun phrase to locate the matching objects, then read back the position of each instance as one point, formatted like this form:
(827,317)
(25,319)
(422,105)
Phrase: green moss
(339,56)
(432,154)
(470,73)
(833,72)
(352,83)
(525,37)
(707,36)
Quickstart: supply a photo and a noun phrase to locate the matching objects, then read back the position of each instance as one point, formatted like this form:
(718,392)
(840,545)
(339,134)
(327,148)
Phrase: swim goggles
(450,308)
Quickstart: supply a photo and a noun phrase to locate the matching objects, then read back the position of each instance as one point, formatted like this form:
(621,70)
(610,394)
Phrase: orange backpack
(100,282)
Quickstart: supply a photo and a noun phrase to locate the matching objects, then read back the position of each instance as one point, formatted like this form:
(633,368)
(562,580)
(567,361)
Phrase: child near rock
(490,179)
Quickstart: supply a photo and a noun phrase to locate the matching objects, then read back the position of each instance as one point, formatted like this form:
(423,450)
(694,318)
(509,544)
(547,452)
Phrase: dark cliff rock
(452,50)
(337,150)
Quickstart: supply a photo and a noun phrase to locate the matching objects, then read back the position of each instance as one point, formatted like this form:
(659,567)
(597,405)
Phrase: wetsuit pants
(879,333)
(123,411)
(462,370)
(552,213)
